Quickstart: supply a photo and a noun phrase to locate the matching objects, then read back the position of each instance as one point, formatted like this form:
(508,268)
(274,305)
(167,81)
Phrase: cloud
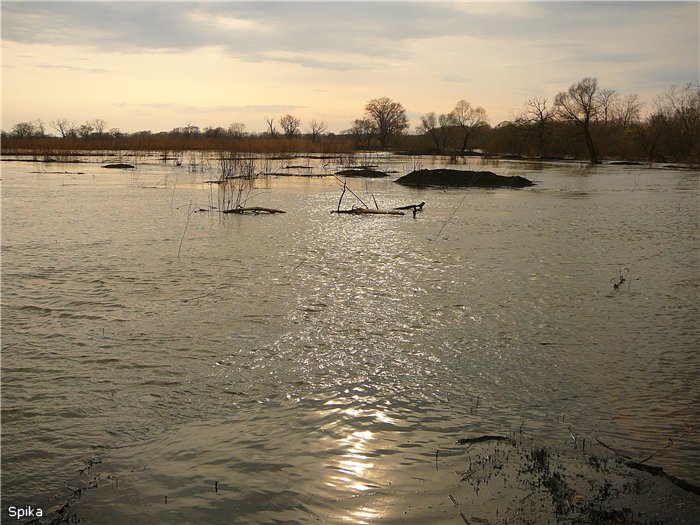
(249,108)
(72,68)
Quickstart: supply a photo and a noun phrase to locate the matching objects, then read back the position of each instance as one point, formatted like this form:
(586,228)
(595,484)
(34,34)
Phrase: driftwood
(367,211)
(254,210)
(658,471)
(480,439)
(414,207)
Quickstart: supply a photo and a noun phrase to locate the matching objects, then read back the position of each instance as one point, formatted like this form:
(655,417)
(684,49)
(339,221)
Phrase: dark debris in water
(517,480)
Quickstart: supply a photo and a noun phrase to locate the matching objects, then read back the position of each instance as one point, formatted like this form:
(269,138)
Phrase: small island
(461,178)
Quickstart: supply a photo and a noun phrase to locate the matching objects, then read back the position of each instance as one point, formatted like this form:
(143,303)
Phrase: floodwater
(306,367)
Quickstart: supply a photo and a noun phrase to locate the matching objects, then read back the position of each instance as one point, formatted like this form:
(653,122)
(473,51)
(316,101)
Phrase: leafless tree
(99,126)
(437,127)
(628,110)
(26,130)
(271,129)
(290,125)
(537,114)
(468,119)
(389,118)
(678,111)
(580,106)
(317,127)
(236,130)
(63,126)
(363,129)
(607,101)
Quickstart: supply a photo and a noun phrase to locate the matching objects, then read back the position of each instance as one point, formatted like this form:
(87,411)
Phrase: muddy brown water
(306,367)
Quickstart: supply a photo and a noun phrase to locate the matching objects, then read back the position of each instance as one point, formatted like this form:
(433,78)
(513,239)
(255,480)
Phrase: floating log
(461,178)
(367,211)
(254,210)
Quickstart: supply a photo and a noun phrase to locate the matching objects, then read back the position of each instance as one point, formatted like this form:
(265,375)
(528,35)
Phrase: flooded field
(306,367)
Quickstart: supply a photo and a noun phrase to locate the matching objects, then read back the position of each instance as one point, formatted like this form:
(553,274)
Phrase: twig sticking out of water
(449,218)
(190,211)
(345,187)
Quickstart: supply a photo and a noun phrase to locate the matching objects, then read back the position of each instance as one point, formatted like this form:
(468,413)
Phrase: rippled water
(307,366)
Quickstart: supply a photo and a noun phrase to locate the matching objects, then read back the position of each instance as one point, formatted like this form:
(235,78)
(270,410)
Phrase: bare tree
(99,126)
(317,127)
(538,115)
(363,129)
(437,128)
(389,118)
(63,126)
(607,100)
(85,130)
(25,130)
(628,110)
(678,111)
(580,106)
(290,125)
(271,129)
(236,130)
(468,119)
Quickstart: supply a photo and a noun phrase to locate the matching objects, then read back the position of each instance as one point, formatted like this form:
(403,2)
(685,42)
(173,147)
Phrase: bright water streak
(310,364)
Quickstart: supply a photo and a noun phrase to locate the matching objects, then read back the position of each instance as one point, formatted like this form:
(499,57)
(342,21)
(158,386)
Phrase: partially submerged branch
(255,210)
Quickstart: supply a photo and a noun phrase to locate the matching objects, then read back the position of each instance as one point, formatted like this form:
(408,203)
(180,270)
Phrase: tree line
(584,121)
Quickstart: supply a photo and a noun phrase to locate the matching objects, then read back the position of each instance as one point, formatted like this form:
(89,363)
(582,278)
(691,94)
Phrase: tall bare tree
(363,129)
(389,118)
(580,106)
(628,110)
(290,125)
(271,129)
(437,127)
(99,126)
(317,127)
(537,114)
(468,118)
(607,101)
(63,126)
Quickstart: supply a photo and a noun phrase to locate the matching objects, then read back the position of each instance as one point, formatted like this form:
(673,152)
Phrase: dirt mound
(462,178)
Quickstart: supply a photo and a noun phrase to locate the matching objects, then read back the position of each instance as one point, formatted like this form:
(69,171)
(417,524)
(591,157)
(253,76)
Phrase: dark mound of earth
(362,172)
(462,178)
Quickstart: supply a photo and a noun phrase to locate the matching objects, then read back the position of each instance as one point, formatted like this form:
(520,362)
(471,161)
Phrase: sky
(161,65)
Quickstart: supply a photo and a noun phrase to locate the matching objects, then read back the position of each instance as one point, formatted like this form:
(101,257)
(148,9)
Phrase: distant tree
(538,115)
(23,130)
(580,107)
(437,127)
(389,118)
(317,127)
(607,101)
(63,126)
(628,110)
(99,126)
(212,132)
(363,130)
(271,129)
(677,113)
(290,125)
(468,119)
(236,130)
(85,130)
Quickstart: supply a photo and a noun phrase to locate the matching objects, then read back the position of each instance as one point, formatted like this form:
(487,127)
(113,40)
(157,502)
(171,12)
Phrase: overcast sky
(159,65)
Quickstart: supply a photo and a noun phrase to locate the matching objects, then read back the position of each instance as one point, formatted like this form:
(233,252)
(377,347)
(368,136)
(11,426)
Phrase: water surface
(307,366)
